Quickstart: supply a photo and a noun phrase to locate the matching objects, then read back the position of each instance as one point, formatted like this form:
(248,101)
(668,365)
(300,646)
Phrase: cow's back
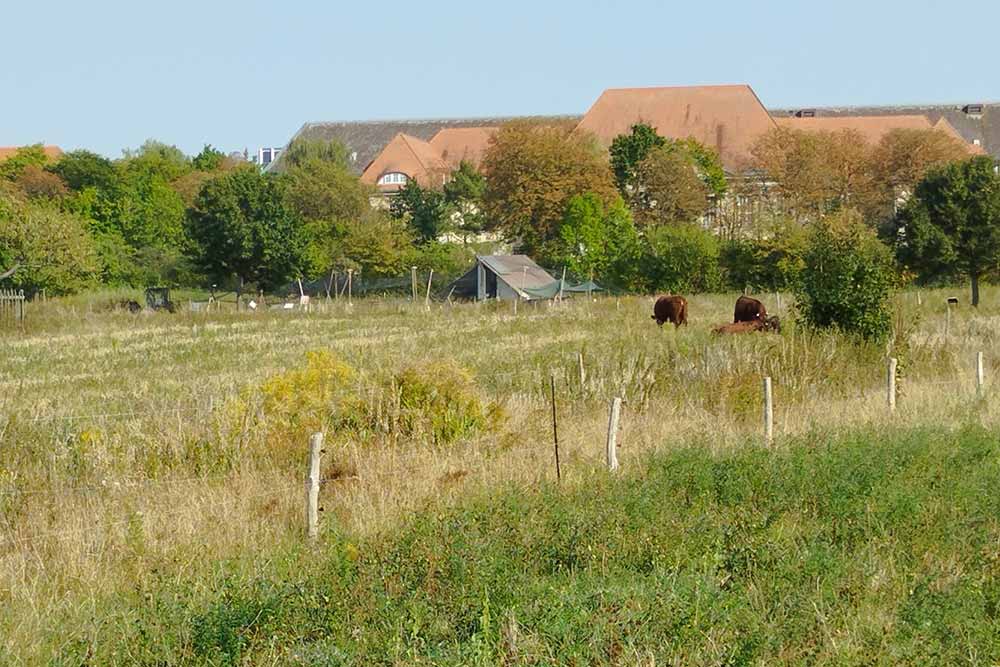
(670,309)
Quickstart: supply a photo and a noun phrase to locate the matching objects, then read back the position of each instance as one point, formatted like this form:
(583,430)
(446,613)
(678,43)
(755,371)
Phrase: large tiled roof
(873,128)
(726,118)
(366,139)
(983,127)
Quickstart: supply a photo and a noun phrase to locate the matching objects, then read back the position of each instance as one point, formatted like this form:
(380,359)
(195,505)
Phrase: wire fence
(413,469)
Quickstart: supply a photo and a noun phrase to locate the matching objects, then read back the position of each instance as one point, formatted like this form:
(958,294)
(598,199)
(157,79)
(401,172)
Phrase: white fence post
(979,374)
(768,412)
(312,484)
(612,453)
(890,384)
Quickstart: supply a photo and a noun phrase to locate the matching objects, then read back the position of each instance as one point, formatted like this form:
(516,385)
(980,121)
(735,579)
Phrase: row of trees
(156,216)
(633,217)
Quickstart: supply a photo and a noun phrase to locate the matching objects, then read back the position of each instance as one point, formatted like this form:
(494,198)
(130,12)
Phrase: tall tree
(244,227)
(627,151)
(904,156)
(209,159)
(668,188)
(532,172)
(463,192)
(423,209)
(25,156)
(326,190)
(595,237)
(952,224)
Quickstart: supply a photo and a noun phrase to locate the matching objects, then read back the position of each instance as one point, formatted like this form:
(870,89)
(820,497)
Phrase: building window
(392,178)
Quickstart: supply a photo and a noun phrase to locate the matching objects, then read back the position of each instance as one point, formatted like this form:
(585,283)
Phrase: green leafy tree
(12,167)
(595,237)
(50,248)
(848,278)
(326,190)
(667,188)
(464,192)
(708,165)
(209,159)
(155,158)
(243,227)
(627,151)
(82,169)
(301,151)
(423,209)
(377,246)
(770,256)
(952,224)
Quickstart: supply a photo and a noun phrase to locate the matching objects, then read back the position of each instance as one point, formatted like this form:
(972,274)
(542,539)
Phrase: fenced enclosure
(124,435)
(11,306)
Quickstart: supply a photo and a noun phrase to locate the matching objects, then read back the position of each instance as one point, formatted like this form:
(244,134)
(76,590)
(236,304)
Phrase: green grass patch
(879,547)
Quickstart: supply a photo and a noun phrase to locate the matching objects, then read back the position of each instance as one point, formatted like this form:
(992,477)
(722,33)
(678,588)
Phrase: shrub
(848,279)
(772,259)
(439,399)
(680,258)
(301,401)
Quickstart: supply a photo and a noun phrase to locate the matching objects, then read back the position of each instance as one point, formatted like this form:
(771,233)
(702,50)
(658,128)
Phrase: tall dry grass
(133,445)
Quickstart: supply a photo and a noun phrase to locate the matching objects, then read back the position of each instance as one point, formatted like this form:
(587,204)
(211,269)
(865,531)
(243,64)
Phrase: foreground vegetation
(151,497)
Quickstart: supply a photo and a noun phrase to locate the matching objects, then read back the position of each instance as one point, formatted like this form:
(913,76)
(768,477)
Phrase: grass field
(152,466)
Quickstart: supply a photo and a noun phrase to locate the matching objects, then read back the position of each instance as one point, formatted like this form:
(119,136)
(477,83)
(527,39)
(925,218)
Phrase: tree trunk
(975,290)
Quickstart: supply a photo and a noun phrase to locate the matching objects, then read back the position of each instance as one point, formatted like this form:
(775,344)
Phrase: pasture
(140,451)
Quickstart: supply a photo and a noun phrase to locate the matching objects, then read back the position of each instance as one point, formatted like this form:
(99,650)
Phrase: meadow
(152,501)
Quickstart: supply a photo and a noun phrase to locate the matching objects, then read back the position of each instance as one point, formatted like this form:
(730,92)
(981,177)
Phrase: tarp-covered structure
(512,277)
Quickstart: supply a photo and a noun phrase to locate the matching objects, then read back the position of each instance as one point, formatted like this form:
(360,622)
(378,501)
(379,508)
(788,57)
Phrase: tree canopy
(244,227)
(952,223)
(532,172)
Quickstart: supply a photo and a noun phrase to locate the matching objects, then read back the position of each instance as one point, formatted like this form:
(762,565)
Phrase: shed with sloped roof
(502,277)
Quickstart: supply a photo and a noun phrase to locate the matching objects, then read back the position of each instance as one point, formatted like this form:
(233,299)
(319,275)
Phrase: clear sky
(109,74)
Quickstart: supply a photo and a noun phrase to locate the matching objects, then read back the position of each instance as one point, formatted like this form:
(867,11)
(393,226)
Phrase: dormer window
(393,178)
(973,109)
(805,113)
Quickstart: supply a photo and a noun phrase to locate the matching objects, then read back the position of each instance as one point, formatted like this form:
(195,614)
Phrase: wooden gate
(11,306)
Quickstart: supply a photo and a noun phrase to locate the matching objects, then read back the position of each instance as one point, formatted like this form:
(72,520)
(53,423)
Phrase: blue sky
(108,74)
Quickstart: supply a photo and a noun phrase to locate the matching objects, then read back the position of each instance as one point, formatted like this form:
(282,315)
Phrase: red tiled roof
(872,128)
(726,118)
(462,143)
(407,155)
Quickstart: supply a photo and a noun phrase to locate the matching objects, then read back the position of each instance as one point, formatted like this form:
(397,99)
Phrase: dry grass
(121,448)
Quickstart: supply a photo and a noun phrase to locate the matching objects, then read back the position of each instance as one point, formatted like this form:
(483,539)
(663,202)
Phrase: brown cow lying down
(671,309)
(749,310)
(769,324)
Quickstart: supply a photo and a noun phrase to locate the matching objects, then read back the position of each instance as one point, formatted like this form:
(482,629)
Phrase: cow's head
(772,323)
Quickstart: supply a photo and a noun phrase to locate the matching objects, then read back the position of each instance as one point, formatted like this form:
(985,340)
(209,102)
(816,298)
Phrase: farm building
(512,277)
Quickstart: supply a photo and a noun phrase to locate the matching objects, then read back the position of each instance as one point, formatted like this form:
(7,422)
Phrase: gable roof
(518,271)
(455,144)
(51,152)
(407,155)
(873,128)
(726,118)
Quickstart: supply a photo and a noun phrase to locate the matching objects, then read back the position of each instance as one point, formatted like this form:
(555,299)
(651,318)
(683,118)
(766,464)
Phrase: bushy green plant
(678,258)
(439,399)
(770,258)
(848,279)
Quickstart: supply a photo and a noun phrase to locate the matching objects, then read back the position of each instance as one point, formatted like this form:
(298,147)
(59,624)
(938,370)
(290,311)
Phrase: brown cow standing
(671,309)
(749,310)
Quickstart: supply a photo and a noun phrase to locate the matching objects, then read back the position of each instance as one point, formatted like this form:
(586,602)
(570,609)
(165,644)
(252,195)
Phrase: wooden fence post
(312,484)
(555,430)
(890,385)
(979,374)
(768,412)
(350,279)
(583,372)
(427,297)
(612,453)
(413,282)
(947,321)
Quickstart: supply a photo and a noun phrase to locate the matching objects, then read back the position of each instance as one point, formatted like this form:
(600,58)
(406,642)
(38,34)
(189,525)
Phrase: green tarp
(551,290)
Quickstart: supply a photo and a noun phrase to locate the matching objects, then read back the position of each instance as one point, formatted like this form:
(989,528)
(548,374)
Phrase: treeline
(157,216)
(651,214)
